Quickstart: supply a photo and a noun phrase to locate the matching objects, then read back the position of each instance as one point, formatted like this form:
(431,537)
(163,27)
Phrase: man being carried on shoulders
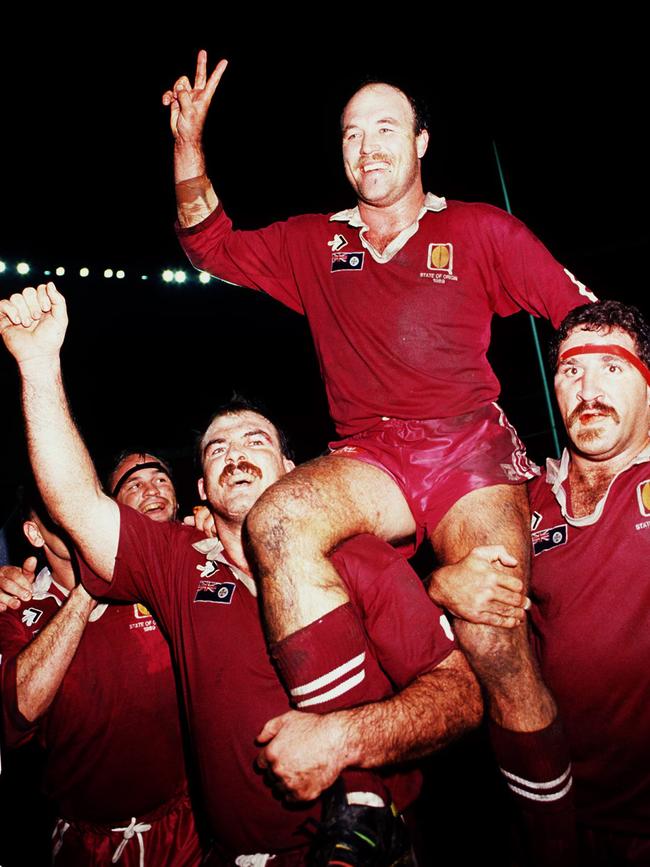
(399,292)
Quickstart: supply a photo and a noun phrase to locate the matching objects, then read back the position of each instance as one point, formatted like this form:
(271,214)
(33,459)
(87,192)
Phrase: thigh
(334,497)
(495,515)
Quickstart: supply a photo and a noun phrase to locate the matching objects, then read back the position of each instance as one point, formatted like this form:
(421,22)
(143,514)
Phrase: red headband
(608,349)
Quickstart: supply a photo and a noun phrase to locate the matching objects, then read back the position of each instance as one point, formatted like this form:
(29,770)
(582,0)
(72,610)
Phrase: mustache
(242,466)
(377,157)
(592,406)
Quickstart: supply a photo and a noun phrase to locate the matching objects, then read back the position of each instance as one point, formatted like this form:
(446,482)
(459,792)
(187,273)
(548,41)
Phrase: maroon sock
(537,769)
(328,666)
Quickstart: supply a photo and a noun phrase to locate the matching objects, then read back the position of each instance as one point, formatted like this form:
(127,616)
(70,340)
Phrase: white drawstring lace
(135,829)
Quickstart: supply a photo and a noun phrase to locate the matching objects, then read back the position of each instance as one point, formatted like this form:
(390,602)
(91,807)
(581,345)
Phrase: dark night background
(87,181)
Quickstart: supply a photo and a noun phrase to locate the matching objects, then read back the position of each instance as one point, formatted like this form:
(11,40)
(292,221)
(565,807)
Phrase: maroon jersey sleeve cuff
(257,259)
(95,585)
(183,232)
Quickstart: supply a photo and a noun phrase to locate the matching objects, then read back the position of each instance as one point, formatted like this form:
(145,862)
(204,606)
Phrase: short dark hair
(30,503)
(238,404)
(604,315)
(421,116)
(122,455)
(30,507)
(29,500)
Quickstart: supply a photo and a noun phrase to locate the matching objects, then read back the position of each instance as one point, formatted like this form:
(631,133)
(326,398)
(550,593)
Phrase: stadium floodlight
(22,268)
(204,277)
(168,275)
(119,275)
(84,272)
(180,276)
(108,272)
(60,271)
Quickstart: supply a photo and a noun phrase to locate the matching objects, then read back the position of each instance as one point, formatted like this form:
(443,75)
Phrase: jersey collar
(557,473)
(213,550)
(44,583)
(353,218)
(43,586)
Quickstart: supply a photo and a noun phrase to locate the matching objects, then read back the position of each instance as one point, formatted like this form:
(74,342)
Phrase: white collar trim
(352,216)
(213,550)
(43,584)
(557,473)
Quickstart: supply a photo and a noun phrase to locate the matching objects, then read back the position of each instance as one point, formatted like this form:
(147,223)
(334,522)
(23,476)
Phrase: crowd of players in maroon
(584,611)
(369,662)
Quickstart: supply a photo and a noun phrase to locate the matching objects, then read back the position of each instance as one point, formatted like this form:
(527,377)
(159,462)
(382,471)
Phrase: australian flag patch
(544,540)
(347,262)
(220,592)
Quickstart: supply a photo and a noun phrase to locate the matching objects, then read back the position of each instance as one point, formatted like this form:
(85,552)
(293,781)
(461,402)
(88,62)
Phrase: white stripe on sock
(555,796)
(330,676)
(551,784)
(344,686)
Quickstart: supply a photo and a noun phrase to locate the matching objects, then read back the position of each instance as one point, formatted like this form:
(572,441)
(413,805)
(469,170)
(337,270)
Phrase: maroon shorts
(171,841)
(435,462)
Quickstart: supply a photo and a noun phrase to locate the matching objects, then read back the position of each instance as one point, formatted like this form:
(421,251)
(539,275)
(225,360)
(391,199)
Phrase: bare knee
(277,521)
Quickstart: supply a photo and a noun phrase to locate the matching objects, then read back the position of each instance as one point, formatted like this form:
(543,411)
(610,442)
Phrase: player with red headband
(591,546)
(590,589)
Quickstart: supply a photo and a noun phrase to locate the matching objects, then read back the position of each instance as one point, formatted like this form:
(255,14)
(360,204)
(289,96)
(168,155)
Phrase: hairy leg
(502,658)
(300,519)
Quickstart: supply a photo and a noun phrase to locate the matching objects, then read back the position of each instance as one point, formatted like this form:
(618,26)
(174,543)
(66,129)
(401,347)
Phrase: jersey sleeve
(528,277)
(147,557)
(14,637)
(256,259)
(409,633)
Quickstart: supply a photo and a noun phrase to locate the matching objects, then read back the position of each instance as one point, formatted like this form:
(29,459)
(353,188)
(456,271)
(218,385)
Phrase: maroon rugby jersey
(229,684)
(405,337)
(591,621)
(112,733)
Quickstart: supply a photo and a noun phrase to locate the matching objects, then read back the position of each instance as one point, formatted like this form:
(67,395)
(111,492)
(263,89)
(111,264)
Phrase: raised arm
(33,325)
(307,752)
(189,104)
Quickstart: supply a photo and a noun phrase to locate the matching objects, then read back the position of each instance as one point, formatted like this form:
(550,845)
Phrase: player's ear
(288,465)
(201,487)
(422,142)
(30,529)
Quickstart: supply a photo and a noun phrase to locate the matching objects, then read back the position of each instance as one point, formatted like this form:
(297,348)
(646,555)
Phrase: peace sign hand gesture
(189,105)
